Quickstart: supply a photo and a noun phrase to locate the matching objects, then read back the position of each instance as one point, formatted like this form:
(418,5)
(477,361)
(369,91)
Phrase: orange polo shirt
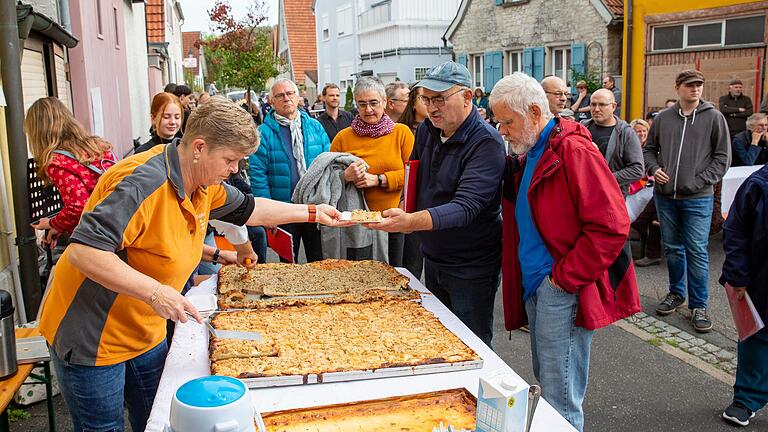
(384,155)
(139,211)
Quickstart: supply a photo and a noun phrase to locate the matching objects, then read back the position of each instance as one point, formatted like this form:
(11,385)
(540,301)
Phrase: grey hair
(519,92)
(754,118)
(280,81)
(367,83)
(392,89)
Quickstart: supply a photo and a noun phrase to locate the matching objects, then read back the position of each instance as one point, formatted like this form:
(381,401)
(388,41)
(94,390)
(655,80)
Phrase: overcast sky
(196,13)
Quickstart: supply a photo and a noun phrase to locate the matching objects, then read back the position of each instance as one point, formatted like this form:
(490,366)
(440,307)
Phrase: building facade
(494,38)
(164,43)
(138,65)
(395,40)
(723,39)
(195,69)
(296,48)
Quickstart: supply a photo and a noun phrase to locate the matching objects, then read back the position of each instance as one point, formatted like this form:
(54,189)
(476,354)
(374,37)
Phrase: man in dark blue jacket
(745,240)
(458,205)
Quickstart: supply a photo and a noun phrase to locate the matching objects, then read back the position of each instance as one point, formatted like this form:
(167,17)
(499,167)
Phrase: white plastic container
(213,404)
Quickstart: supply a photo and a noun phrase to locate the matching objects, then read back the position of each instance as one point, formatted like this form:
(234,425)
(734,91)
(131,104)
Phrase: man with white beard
(566,266)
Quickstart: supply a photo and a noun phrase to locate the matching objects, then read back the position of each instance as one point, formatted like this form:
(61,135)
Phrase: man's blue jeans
(559,350)
(95,395)
(751,388)
(685,233)
(470,299)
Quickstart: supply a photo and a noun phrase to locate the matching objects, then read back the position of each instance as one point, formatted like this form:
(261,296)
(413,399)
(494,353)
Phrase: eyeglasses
(364,105)
(399,100)
(599,105)
(438,101)
(288,94)
(559,94)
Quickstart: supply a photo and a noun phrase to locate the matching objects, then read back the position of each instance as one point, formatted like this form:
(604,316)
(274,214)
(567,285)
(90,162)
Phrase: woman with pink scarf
(384,146)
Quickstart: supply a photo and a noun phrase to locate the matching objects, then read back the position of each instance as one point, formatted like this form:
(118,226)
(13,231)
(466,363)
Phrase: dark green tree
(348,103)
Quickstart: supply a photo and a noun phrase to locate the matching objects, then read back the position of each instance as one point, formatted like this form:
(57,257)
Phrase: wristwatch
(216,254)
(378,176)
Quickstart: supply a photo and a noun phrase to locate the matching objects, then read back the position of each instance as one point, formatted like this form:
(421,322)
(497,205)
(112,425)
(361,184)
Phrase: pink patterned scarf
(383,127)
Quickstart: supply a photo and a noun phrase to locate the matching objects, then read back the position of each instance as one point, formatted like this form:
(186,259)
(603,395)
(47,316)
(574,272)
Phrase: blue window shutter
(538,63)
(578,58)
(491,69)
(499,2)
(462,59)
(528,61)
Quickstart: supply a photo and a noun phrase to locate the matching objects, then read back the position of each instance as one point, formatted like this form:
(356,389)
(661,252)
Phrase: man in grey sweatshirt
(688,151)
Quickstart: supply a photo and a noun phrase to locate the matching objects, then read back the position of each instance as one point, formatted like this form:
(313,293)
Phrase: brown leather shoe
(646,262)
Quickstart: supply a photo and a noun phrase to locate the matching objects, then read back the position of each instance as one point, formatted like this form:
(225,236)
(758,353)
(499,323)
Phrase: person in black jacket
(736,107)
(167,116)
(745,241)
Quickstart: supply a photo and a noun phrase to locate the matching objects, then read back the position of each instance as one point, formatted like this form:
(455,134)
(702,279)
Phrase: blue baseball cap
(442,77)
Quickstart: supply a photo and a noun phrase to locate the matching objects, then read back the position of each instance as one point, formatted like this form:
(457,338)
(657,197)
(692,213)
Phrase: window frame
(99,20)
(416,71)
(117,26)
(566,63)
(325,27)
(685,46)
(475,70)
(341,25)
(519,56)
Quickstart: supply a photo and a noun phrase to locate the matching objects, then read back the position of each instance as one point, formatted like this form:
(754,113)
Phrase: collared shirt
(535,260)
(331,126)
(139,211)
(459,183)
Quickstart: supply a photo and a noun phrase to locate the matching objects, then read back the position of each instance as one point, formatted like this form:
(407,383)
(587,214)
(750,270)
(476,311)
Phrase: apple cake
(415,413)
(238,286)
(366,216)
(320,338)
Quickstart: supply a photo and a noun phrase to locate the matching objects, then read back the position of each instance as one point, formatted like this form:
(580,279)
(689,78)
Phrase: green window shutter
(528,61)
(462,59)
(538,63)
(491,69)
(578,57)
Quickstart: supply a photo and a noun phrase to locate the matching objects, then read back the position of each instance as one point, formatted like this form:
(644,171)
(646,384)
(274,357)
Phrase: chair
(44,201)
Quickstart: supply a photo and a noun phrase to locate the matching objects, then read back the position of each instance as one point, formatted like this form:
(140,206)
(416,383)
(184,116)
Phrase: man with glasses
(750,147)
(566,263)
(397,98)
(557,94)
(687,152)
(458,197)
(290,141)
(615,139)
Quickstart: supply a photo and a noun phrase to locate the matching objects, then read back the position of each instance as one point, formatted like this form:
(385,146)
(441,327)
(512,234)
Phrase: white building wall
(138,82)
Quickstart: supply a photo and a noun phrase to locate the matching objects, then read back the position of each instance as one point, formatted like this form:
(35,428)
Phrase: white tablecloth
(731,182)
(188,359)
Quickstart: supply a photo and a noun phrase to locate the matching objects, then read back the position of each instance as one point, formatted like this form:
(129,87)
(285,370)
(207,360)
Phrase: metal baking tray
(31,350)
(289,380)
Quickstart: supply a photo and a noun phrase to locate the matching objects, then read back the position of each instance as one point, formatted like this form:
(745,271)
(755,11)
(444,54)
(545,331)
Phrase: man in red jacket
(566,265)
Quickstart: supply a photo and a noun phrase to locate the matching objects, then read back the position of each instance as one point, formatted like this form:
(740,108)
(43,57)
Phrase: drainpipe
(64,15)
(10,69)
(628,77)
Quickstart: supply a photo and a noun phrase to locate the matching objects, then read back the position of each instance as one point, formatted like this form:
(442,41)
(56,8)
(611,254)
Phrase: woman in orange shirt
(384,146)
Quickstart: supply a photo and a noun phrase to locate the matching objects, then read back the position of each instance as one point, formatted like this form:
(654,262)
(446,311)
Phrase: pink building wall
(155,81)
(98,65)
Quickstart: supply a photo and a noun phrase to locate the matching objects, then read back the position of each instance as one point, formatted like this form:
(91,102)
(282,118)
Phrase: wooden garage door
(718,66)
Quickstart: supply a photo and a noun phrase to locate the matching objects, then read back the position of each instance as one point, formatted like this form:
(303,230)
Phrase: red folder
(281,241)
(409,191)
(745,316)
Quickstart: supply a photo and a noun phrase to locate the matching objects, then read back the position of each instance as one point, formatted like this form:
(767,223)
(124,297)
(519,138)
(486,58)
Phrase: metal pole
(10,69)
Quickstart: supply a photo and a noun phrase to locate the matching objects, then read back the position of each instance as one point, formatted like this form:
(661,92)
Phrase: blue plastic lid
(210,391)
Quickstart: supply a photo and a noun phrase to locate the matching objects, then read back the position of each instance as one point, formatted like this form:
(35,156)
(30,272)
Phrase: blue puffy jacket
(269,167)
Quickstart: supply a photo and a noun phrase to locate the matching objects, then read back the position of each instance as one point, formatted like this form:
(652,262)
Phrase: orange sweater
(384,155)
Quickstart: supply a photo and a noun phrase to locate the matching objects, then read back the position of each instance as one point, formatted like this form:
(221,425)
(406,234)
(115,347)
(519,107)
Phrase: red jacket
(580,214)
(75,183)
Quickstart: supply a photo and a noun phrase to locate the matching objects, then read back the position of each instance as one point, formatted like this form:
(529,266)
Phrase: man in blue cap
(458,202)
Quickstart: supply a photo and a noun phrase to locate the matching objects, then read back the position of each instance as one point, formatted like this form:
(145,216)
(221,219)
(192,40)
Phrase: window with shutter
(492,69)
